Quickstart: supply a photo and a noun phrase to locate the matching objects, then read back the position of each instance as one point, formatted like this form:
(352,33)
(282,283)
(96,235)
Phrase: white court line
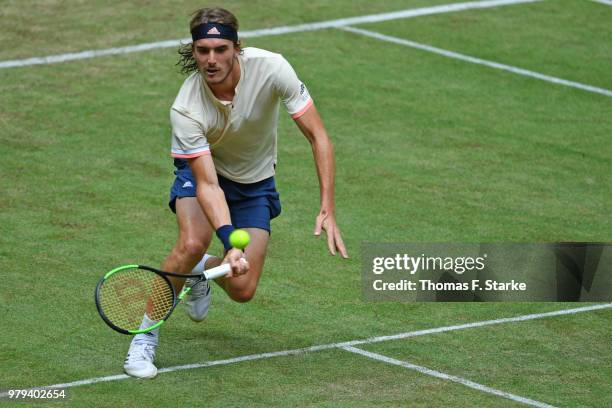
(372,18)
(321,347)
(479,61)
(608,2)
(448,377)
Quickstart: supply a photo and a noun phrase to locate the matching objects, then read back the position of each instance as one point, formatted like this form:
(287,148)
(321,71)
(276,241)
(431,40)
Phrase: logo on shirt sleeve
(303,91)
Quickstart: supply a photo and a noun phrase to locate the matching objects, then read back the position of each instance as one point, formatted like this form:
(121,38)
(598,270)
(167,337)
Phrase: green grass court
(428,149)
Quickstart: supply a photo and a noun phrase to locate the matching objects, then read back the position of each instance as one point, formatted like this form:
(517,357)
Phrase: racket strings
(126,295)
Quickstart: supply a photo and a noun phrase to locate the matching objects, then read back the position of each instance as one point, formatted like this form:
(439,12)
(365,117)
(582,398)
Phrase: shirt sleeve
(292,91)
(188,136)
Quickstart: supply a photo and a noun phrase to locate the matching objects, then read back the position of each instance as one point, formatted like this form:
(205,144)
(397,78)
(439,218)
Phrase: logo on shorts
(302,89)
(188,184)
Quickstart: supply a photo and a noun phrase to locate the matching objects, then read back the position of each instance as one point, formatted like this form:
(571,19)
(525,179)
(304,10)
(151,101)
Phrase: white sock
(200,267)
(151,337)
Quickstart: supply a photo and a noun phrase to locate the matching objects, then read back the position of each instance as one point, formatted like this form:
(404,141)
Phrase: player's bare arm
(312,127)
(212,200)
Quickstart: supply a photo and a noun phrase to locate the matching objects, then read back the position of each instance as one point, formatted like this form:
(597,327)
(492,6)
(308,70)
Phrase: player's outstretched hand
(327,221)
(238,263)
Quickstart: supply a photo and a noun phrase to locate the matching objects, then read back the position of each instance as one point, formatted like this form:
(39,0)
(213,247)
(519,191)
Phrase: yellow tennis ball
(239,239)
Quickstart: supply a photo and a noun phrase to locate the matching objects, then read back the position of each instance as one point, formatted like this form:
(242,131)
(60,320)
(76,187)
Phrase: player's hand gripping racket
(126,293)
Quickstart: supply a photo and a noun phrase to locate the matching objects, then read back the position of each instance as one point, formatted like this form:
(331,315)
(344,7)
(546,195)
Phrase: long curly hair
(218,15)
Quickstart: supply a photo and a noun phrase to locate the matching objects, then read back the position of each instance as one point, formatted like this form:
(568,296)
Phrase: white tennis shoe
(197,301)
(139,360)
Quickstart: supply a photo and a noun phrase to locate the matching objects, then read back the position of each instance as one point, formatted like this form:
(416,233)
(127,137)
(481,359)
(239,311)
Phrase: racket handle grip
(217,272)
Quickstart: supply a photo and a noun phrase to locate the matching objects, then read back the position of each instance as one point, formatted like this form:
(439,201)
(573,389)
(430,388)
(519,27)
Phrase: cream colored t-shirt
(241,136)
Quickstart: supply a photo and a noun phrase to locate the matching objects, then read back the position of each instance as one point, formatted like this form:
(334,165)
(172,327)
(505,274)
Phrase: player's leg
(195,234)
(252,207)
(194,237)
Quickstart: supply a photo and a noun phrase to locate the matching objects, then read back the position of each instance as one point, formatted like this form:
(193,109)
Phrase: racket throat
(148,328)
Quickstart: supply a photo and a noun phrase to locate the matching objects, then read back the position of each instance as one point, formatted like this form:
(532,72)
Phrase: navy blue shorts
(251,205)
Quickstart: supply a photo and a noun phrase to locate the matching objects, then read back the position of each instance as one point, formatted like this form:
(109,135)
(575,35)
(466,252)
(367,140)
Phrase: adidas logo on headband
(214,30)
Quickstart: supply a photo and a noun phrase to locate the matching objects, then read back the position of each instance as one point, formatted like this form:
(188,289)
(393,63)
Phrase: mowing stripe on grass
(474,60)
(372,18)
(321,347)
(448,377)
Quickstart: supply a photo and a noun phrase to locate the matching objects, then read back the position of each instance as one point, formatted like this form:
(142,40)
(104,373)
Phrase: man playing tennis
(224,130)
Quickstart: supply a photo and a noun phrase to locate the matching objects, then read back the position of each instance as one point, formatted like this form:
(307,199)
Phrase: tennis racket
(126,293)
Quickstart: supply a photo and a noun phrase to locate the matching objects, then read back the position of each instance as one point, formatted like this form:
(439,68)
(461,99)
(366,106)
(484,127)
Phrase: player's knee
(193,247)
(243,295)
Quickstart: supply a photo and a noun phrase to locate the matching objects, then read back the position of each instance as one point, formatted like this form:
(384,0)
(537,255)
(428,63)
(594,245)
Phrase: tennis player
(224,134)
